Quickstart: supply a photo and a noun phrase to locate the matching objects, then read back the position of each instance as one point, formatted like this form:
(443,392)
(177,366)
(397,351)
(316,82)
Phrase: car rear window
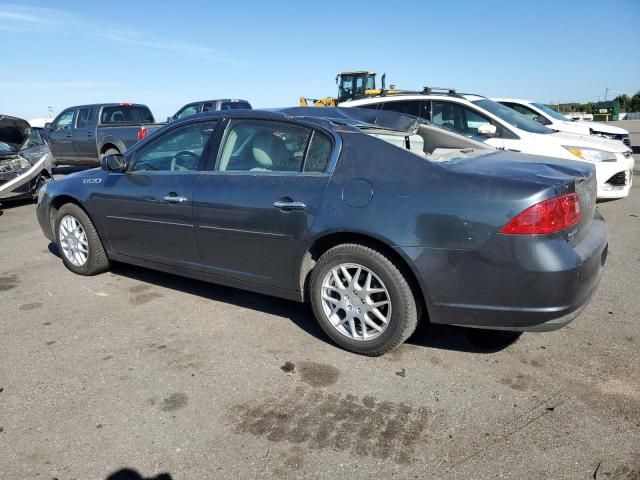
(235,106)
(125,114)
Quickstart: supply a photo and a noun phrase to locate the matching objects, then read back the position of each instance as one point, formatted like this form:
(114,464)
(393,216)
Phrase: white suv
(492,123)
(552,119)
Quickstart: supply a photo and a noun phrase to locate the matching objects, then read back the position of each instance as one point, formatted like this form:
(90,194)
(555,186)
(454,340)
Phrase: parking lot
(160,374)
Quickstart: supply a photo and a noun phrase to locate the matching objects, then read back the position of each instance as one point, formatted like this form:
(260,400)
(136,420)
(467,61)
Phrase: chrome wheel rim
(73,241)
(356,302)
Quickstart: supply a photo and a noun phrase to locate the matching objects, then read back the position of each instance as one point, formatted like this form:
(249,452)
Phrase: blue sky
(64,53)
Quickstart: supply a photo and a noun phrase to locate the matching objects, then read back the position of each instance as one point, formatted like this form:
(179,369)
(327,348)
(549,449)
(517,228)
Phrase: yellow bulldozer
(351,85)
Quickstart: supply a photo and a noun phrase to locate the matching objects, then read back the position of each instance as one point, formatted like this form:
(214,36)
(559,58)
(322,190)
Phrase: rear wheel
(110,151)
(78,241)
(362,300)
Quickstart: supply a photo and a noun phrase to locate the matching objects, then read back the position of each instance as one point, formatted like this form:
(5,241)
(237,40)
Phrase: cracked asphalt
(135,373)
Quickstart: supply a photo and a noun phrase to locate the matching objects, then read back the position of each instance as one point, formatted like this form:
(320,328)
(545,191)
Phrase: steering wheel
(189,161)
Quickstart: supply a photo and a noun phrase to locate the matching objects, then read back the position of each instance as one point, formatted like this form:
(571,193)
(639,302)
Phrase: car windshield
(512,117)
(550,112)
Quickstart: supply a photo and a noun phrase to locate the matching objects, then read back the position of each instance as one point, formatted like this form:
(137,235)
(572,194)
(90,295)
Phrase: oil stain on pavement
(342,422)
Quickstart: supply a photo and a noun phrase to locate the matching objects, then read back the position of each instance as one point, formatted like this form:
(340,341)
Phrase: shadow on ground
(129,474)
(443,337)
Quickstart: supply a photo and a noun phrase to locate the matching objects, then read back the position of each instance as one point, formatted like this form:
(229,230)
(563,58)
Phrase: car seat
(270,153)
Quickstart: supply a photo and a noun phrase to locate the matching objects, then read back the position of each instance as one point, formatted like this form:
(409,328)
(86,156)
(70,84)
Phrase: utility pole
(606,92)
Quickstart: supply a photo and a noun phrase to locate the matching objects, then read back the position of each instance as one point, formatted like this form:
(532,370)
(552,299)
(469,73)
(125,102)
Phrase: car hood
(13,131)
(598,127)
(589,141)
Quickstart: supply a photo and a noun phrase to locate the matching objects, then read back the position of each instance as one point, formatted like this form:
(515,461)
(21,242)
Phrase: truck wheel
(110,151)
(78,241)
(362,300)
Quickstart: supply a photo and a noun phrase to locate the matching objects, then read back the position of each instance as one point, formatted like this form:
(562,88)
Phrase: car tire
(80,248)
(374,272)
(110,151)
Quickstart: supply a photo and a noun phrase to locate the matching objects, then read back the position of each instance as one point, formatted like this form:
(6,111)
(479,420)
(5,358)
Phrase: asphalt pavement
(135,373)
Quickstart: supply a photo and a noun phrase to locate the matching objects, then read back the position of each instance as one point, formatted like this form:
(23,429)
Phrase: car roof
(330,118)
(232,100)
(413,96)
(117,104)
(514,100)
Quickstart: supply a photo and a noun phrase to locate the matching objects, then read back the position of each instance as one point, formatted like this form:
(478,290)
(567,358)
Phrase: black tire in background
(97,260)
(404,311)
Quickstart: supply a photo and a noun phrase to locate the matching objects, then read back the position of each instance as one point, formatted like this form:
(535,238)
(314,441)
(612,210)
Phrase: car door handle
(287,205)
(175,199)
(69,135)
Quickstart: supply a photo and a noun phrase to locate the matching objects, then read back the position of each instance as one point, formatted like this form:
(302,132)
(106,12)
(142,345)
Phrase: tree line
(627,104)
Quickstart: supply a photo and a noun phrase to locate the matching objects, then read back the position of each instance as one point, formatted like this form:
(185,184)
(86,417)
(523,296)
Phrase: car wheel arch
(323,243)
(58,202)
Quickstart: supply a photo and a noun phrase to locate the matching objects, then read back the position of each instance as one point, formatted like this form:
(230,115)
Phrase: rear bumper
(513,283)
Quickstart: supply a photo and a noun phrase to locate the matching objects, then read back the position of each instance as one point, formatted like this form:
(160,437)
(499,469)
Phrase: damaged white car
(25,160)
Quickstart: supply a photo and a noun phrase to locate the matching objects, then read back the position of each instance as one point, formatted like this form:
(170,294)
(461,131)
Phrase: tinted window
(186,111)
(177,150)
(456,117)
(263,146)
(318,154)
(64,121)
(126,114)
(207,107)
(410,107)
(85,118)
(550,112)
(235,106)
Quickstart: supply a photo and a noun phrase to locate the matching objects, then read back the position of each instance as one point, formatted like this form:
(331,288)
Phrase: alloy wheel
(356,302)
(73,240)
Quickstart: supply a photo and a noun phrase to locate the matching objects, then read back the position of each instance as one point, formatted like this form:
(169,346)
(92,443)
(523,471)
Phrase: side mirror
(113,163)
(48,125)
(487,130)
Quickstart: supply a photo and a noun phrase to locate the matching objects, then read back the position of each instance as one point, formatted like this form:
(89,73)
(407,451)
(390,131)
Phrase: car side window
(263,146)
(456,117)
(64,121)
(208,107)
(410,107)
(85,118)
(189,110)
(527,112)
(178,150)
(318,153)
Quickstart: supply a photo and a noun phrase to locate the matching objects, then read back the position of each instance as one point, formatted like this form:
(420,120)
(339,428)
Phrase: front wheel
(78,242)
(362,300)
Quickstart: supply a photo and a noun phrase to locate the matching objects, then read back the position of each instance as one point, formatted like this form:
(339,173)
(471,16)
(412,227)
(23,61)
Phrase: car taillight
(142,133)
(549,216)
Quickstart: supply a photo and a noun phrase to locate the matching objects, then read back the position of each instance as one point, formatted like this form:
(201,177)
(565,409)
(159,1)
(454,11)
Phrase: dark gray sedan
(378,219)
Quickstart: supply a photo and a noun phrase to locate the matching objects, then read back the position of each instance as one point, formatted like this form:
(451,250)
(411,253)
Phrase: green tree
(634,104)
(625,102)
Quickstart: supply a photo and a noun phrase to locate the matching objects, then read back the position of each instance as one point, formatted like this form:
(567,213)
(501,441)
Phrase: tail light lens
(549,216)
(142,133)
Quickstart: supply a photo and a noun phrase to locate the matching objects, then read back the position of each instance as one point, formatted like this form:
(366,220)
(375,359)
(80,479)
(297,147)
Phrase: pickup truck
(83,134)
(208,106)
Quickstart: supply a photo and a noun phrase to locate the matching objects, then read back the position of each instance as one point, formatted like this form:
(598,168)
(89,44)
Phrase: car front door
(84,135)
(253,211)
(147,210)
(61,138)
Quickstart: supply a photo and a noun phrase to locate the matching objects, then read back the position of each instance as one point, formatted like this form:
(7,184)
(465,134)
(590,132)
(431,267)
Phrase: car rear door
(253,211)
(84,135)
(61,137)
(147,211)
